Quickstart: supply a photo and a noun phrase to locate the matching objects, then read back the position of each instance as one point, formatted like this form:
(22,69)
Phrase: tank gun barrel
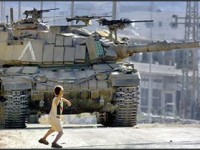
(125,51)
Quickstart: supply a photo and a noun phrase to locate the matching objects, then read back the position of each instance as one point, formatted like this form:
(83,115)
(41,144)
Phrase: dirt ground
(95,136)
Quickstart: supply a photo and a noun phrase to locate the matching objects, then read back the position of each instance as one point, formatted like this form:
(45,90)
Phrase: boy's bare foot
(55,145)
(43,141)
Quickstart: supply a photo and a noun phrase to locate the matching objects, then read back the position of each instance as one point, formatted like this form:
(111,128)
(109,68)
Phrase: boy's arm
(56,101)
(67,101)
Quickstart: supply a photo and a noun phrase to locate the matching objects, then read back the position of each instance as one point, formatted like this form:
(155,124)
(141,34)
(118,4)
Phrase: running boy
(54,116)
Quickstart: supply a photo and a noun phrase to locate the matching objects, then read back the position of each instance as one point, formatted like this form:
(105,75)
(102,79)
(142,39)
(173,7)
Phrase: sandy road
(94,137)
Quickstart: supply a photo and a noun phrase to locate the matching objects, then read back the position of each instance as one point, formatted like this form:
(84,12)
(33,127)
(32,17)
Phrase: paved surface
(93,136)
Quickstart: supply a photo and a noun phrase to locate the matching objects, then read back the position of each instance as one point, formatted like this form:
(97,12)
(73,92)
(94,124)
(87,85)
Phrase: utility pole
(72,11)
(19,10)
(114,10)
(54,21)
(189,60)
(41,5)
(2,11)
(150,75)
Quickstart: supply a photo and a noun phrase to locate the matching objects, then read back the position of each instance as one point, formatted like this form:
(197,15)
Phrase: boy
(54,116)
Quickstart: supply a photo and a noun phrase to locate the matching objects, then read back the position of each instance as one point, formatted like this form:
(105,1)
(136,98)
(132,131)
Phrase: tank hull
(89,90)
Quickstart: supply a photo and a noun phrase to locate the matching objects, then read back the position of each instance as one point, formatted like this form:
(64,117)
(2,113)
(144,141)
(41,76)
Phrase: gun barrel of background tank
(161,46)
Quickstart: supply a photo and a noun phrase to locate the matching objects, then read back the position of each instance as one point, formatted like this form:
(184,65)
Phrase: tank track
(16,109)
(126,99)
(2,114)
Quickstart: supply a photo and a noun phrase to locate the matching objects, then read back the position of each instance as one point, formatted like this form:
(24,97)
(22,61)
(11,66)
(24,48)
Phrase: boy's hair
(57,89)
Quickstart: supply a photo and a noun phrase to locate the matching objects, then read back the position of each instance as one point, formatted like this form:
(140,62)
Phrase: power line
(189,59)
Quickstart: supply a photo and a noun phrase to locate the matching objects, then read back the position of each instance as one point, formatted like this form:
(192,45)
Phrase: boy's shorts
(55,124)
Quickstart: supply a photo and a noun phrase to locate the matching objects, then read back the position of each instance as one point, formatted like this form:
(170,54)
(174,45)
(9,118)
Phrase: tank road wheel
(126,99)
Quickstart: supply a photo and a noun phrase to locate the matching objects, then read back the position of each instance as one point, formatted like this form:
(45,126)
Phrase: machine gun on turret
(85,19)
(114,25)
(36,14)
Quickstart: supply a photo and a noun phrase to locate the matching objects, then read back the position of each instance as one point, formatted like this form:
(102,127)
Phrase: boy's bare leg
(60,133)
(48,133)
(43,140)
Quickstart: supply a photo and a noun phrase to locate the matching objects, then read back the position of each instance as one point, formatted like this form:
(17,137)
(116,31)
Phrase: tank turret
(85,63)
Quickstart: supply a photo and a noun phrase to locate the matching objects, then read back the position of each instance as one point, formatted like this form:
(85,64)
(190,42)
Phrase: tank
(89,65)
